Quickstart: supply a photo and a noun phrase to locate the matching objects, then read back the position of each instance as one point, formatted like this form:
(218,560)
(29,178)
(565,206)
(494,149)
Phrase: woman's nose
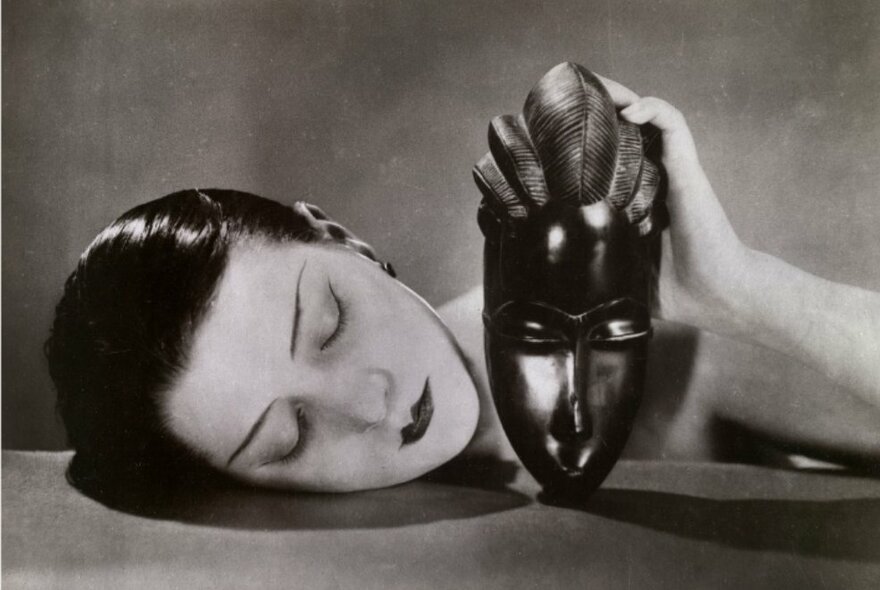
(359,399)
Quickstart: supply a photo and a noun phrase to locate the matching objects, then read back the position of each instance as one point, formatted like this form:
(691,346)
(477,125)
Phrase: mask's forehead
(573,258)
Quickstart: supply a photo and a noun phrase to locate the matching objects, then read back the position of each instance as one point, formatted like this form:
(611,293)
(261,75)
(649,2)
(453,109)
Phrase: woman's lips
(421,412)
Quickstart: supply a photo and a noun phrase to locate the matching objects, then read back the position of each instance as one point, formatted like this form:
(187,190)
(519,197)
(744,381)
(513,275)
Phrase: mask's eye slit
(302,425)
(341,322)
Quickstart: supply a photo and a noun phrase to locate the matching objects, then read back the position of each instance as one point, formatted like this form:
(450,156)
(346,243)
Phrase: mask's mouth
(421,413)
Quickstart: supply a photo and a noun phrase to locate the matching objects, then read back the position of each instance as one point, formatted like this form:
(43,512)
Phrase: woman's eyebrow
(250,435)
(297,311)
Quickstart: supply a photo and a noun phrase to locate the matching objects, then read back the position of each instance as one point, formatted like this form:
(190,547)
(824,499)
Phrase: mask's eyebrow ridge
(250,435)
(297,312)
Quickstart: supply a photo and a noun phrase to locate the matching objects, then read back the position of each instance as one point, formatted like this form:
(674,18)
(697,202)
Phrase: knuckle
(677,115)
(316,211)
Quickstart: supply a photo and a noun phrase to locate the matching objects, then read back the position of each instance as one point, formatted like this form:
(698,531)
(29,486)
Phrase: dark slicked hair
(124,326)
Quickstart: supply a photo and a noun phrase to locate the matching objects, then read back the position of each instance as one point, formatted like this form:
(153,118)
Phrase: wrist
(734,315)
(718,298)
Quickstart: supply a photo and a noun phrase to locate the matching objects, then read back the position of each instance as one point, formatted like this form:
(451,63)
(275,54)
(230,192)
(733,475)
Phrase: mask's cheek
(528,381)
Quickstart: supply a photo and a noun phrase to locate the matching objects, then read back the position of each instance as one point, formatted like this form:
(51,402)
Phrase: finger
(678,143)
(316,211)
(620,94)
(658,112)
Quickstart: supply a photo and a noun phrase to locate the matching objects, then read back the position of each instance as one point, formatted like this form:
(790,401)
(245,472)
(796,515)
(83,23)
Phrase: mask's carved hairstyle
(567,147)
(124,325)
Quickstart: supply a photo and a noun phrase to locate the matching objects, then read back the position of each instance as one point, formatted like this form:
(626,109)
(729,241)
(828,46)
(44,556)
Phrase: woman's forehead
(237,348)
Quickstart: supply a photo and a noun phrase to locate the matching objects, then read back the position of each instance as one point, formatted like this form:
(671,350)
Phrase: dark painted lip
(421,413)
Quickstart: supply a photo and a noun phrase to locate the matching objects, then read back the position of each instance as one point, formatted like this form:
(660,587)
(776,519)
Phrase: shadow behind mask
(568,215)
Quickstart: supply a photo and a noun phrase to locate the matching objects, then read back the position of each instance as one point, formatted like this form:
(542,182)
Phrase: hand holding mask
(568,215)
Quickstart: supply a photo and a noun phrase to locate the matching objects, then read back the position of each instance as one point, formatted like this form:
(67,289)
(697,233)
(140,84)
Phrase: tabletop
(651,525)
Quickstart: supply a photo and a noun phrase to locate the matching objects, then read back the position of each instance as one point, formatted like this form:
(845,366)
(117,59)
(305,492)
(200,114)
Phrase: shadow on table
(464,489)
(837,529)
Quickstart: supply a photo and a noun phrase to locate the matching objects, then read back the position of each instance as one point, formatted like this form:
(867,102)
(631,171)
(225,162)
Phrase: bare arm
(832,327)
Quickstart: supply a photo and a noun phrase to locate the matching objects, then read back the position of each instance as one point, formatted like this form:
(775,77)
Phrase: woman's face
(315,370)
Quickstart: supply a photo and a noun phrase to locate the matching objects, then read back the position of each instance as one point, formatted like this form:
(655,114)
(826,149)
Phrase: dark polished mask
(569,218)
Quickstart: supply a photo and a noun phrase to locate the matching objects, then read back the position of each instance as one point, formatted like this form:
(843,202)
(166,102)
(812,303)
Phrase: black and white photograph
(422,294)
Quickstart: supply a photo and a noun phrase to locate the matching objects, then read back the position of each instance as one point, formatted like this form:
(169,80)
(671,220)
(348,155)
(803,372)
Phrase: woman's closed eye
(341,319)
(279,434)
(335,320)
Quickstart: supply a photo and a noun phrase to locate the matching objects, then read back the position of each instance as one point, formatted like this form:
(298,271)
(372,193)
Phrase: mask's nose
(357,399)
(591,425)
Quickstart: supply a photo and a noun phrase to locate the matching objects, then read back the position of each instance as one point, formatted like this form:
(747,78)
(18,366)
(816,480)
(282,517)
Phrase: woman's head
(219,329)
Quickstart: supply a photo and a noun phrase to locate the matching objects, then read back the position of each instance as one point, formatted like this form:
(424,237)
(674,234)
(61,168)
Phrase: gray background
(377,111)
